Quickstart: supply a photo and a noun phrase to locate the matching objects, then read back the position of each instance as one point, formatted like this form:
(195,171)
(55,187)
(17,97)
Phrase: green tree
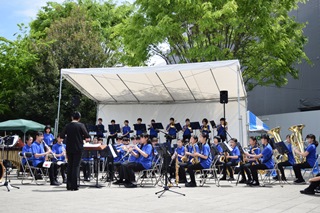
(267,41)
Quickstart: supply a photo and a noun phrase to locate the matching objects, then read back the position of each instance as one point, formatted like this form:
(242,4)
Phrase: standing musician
(205,160)
(266,162)
(140,131)
(187,130)
(289,162)
(222,129)
(48,136)
(179,153)
(40,155)
(126,175)
(205,128)
(311,158)
(231,160)
(244,168)
(126,129)
(59,150)
(153,132)
(113,133)
(172,133)
(100,129)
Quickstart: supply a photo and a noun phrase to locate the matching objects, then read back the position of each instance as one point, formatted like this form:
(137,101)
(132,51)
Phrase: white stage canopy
(132,92)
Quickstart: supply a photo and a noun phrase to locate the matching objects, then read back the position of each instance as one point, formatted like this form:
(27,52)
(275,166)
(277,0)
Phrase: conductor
(74,132)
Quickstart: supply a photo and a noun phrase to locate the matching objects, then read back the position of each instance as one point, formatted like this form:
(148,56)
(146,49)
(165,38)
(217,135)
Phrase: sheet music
(229,147)
(112,151)
(91,145)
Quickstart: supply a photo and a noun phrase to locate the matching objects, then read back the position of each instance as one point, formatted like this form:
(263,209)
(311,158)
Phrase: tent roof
(192,82)
(22,125)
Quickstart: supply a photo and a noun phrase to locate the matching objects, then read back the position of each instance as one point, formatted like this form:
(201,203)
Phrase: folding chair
(204,173)
(150,173)
(28,170)
(267,177)
(314,170)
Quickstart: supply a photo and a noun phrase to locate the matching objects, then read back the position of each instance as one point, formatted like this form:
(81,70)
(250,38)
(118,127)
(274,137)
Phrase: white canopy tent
(180,91)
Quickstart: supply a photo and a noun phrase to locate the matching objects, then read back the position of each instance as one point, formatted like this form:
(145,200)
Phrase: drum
(2,171)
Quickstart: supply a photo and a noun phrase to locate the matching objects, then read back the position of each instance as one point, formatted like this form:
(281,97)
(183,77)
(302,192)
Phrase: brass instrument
(275,133)
(177,170)
(257,161)
(184,159)
(194,160)
(297,142)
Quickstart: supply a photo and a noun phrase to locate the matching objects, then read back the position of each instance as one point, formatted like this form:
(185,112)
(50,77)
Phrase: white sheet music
(91,145)
(112,151)
(229,147)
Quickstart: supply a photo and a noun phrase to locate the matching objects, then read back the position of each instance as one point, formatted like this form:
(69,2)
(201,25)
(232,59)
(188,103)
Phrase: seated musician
(155,156)
(133,157)
(171,134)
(216,142)
(265,158)
(192,148)
(187,130)
(40,155)
(153,132)
(314,184)
(222,129)
(179,153)
(113,133)
(311,157)
(289,162)
(205,128)
(87,162)
(205,160)
(27,149)
(231,160)
(126,129)
(244,168)
(59,149)
(126,175)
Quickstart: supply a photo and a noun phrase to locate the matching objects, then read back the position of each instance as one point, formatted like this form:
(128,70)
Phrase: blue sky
(13,12)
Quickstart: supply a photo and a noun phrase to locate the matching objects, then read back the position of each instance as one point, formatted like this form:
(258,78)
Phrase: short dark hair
(195,137)
(39,134)
(204,135)
(205,120)
(153,120)
(144,135)
(222,119)
(139,119)
(171,119)
(253,138)
(99,119)
(234,140)
(47,127)
(311,136)
(265,136)
(113,121)
(126,121)
(187,119)
(76,115)
(217,137)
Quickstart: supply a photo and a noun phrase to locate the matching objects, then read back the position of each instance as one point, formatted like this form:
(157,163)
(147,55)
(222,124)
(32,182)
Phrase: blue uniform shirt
(25,149)
(180,151)
(58,149)
(190,149)
(121,153)
(139,132)
(221,130)
(205,163)
(219,148)
(206,131)
(235,152)
(312,156)
(146,162)
(37,148)
(267,156)
(153,133)
(172,130)
(125,130)
(112,130)
(187,131)
(290,154)
(48,138)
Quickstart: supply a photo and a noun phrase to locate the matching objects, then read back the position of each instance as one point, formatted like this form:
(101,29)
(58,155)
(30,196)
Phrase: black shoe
(231,179)
(254,183)
(299,181)
(87,179)
(249,181)
(182,181)
(283,178)
(130,185)
(118,182)
(306,192)
(223,178)
(143,176)
(242,181)
(75,189)
(55,183)
(276,178)
(64,180)
(38,177)
(191,184)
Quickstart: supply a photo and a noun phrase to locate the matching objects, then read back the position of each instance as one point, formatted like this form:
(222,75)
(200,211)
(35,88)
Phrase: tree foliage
(267,41)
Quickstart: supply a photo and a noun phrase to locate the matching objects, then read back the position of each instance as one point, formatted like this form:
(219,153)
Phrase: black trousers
(297,169)
(74,160)
(191,169)
(63,168)
(52,170)
(127,170)
(112,138)
(254,171)
(86,169)
(245,169)
(181,172)
(281,169)
(313,185)
(228,166)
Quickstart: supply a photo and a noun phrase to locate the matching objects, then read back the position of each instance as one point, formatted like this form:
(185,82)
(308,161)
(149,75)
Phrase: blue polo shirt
(190,149)
(235,152)
(146,162)
(25,149)
(139,132)
(125,130)
(121,153)
(153,133)
(221,130)
(205,163)
(58,149)
(206,131)
(37,148)
(267,156)
(312,156)
(290,155)
(180,151)
(219,148)
(172,130)
(48,138)
(187,131)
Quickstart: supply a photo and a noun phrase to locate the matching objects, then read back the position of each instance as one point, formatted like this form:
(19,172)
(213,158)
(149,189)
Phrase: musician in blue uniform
(265,158)
(112,133)
(222,129)
(289,162)
(126,129)
(59,149)
(140,131)
(232,159)
(27,149)
(179,153)
(126,175)
(311,157)
(205,128)
(171,134)
(244,168)
(153,132)
(100,129)
(204,163)
(187,130)
(48,136)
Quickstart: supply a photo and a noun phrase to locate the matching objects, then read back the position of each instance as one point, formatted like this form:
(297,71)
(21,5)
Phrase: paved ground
(227,198)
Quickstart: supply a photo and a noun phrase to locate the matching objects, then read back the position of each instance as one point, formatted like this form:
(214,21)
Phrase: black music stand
(178,127)
(282,148)
(141,127)
(157,126)
(114,128)
(214,150)
(9,141)
(195,125)
(213,124)
(162,151)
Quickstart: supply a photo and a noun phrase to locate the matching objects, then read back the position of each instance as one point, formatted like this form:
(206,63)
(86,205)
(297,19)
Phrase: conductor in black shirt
(75,132)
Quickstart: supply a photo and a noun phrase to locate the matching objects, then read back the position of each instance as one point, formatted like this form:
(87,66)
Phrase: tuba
(275,133)
(297,142)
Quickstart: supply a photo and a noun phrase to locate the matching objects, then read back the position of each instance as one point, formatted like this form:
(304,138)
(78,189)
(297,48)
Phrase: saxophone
(184,159)
(297,142)
(194,160)
(177,170)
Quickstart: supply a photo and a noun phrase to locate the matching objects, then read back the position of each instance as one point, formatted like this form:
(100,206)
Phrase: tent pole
(239,115)
(56,126)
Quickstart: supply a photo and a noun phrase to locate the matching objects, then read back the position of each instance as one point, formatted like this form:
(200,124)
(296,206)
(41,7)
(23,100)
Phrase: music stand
(195,125)
(141,127)
(9,141)
(178,127)
(214,150)
(282,148)
(225,148)
(157,126)
(213,124)
(162,151)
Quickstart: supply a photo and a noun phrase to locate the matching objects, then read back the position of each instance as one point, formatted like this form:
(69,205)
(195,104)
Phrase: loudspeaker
(223,96)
